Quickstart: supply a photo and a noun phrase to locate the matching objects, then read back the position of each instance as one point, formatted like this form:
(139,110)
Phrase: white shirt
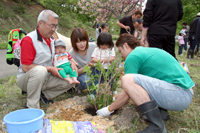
(103,54)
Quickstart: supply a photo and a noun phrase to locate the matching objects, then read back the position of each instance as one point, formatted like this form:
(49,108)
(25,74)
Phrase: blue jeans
(185,46)
(166,95)
(180,49)
(83,78)
(102,78)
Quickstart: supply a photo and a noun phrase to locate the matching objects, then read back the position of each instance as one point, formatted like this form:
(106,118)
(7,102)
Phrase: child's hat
(182,32)
(59,42)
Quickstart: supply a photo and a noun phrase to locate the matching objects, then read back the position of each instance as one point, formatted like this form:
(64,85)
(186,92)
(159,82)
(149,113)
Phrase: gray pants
(38,79)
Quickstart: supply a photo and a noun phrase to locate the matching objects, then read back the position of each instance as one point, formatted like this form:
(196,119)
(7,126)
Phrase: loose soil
(78,109)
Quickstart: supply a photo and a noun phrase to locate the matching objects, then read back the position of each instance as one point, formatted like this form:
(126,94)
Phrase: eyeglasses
(52,26)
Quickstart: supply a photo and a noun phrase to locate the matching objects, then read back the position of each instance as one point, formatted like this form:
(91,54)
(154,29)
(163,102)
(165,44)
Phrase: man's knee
(39,71)
(127,80)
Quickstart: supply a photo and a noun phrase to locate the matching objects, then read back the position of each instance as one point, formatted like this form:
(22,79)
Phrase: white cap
(59,42)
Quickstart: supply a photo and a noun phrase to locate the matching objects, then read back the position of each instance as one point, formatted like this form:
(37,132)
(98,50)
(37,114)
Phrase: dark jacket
(197,34)
(161,16)
(193,25)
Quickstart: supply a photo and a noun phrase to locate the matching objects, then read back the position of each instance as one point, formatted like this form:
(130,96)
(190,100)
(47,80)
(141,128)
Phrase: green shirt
(157,63)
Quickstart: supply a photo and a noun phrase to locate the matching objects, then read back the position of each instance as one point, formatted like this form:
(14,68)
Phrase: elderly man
(153,78)
(36,74)
(126,23)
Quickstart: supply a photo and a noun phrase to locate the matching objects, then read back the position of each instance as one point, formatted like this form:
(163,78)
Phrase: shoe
(164,114)
(44,99)
(26,107)
(71,90)
(151,114)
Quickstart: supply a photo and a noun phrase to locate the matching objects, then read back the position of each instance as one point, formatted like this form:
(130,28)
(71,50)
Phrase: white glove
(104,112)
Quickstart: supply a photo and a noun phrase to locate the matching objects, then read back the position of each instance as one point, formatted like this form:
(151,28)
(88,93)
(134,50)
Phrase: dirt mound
(78,109)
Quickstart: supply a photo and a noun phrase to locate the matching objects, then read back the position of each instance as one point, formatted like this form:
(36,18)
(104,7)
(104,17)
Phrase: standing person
(62,60)
(126,23)
(104,27)
(187,29)
(150,84)
(159,23)
(192,37)
(98,30)
(36,74)
(81,52)
(181,42)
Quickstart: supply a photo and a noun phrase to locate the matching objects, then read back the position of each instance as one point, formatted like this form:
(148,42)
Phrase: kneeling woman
(81,52)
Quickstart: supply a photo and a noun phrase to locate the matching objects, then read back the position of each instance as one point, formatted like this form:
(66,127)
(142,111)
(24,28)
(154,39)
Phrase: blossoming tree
(104,9)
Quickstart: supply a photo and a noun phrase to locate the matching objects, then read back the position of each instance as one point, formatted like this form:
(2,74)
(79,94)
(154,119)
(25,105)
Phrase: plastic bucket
(24,121)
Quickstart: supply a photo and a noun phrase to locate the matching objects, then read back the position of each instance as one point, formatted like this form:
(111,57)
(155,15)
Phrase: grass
(187,121)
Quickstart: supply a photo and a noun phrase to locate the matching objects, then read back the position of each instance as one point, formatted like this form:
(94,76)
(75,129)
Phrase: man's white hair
(45,14)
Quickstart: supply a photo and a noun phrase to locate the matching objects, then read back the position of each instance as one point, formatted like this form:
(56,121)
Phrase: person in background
(62,60)
(36,74)
(192,37)
(152,86)
(181,42)
(126,23)
(159,23)
(187,29)
(137,23)
(197,34)
(98,30)
(104,27)
(81,52)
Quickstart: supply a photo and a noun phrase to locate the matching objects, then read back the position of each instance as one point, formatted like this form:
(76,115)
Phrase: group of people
(153,78)
(190,37)
(48,70)
(103,28)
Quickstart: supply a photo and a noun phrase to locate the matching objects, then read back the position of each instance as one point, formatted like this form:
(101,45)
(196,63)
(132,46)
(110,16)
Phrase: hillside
(17,15)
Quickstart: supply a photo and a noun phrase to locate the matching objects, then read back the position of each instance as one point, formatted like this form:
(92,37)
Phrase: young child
(61,60)
(105,51)
(181,42)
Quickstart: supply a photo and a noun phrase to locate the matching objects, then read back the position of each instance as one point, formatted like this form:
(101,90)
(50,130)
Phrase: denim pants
(180,49)
(166,95)
(185,46)
(83,78)
(102,78)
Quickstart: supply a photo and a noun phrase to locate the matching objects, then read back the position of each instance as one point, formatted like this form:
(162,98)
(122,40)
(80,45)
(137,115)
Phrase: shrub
(104,92)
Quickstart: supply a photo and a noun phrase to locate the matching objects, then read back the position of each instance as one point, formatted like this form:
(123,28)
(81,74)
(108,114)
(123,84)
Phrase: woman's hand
(91,64)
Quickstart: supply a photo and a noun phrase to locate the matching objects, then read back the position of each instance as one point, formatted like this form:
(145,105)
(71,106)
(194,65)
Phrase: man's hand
(54,71)
(126,27)
(104,112)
